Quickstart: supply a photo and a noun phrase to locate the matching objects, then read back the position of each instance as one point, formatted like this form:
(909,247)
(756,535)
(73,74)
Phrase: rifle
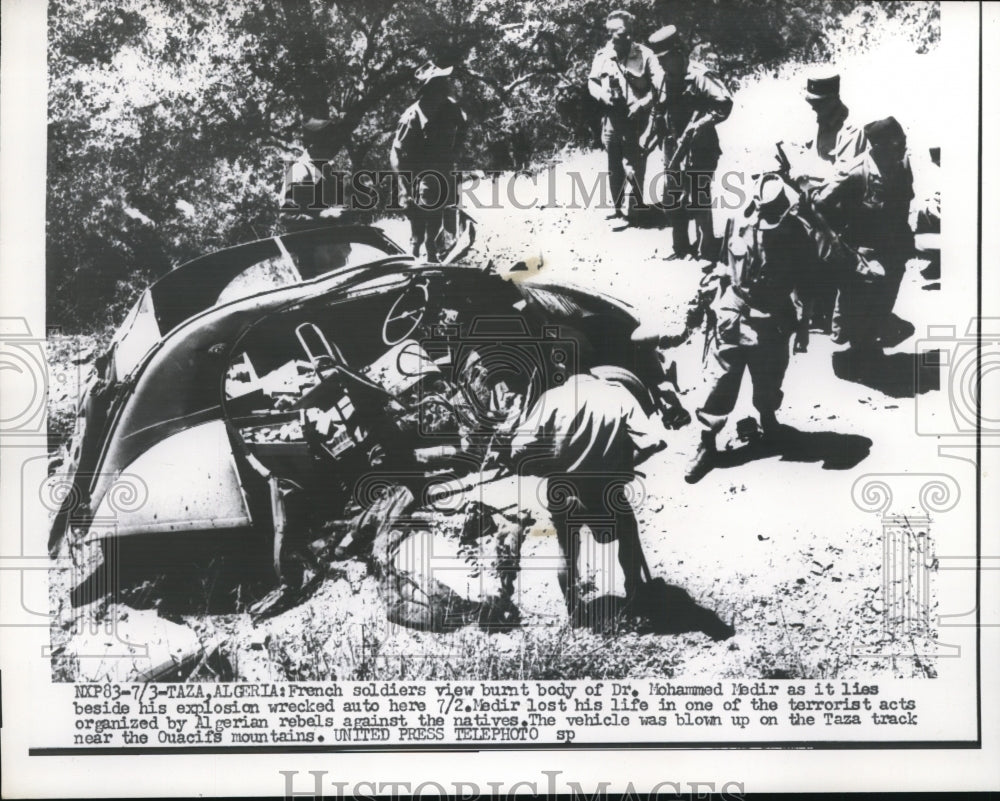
(683,146)
(655,137)
(815,220)
(682,149)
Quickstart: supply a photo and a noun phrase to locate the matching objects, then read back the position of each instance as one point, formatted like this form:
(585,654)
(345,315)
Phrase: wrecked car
(273,391)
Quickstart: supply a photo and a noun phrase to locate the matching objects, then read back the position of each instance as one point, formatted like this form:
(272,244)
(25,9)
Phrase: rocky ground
(771,542)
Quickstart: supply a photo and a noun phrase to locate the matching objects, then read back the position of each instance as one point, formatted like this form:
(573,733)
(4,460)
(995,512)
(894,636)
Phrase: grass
(556,652)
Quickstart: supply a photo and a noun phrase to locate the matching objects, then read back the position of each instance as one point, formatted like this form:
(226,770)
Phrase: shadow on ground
(661,608)
(179,574)
(898,375)
(834,450)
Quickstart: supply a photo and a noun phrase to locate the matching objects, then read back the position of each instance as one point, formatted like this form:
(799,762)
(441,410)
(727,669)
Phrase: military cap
(315,124)
(822,87)
(883,130)
(429,71)
(665,40)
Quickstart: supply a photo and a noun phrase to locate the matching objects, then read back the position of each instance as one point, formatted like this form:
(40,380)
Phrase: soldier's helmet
(772,202)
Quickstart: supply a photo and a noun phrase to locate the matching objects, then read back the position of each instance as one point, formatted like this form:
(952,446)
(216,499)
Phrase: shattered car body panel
(159,374)
(190,483)
(226,275)
(274,408)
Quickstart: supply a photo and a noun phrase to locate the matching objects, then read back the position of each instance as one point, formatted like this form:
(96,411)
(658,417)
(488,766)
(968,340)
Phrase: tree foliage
(169,122)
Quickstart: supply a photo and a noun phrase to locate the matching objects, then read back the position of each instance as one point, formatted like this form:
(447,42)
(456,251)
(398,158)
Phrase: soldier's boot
(703,460)
(770,428)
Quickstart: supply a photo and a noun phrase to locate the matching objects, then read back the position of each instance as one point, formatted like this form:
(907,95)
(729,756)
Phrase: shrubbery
(169,122)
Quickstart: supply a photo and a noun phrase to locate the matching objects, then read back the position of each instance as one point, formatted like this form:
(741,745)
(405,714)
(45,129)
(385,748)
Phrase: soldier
(838,139)
(586,436)
(693,101)
(869,200)
(755,316)
(424,152)
(623,79)
(313,194)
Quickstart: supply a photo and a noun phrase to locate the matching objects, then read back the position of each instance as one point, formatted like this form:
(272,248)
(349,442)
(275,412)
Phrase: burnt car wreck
(323,396)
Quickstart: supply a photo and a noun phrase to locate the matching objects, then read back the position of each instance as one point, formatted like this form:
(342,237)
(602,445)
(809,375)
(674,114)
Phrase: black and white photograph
(438,380)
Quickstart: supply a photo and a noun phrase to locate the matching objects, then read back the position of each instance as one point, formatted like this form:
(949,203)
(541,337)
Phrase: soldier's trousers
(425,225)
(620,138)
(762,352)
(863,307)
(425,203)
(688,196)
(599,502)
(820,305)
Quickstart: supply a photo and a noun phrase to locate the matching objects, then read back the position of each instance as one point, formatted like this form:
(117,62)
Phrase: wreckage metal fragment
(296,383)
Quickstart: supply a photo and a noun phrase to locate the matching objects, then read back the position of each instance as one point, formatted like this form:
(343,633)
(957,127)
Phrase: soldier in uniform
(586,436)
(768,257)
(623,79)
(838,139)
(424,152)
(869,201)
(313,194)
(693,101)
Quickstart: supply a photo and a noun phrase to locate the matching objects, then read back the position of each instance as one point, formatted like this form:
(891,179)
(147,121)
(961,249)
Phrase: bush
(167,140)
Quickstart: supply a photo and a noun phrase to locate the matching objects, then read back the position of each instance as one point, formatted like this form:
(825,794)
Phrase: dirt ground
(771,543)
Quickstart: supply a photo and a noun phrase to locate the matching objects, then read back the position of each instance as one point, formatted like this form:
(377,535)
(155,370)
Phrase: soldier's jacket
(635,77)
(307,194)
(589,425)
(848,140)
(700,93)
(871,208)
(763,273)
(428,143)
(301,179)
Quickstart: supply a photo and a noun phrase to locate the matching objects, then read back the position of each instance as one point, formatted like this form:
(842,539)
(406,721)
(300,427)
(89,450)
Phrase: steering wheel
(405,314)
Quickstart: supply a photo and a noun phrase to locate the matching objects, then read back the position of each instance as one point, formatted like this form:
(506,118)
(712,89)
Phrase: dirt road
(772,542)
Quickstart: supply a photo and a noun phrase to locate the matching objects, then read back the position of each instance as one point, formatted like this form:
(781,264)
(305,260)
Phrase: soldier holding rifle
(869,201)
(693,101)
(838,139)
(769,256)
(624,78)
